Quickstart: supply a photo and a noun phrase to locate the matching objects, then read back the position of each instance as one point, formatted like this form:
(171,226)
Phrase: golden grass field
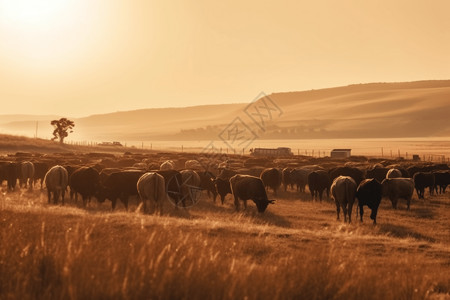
(295,250)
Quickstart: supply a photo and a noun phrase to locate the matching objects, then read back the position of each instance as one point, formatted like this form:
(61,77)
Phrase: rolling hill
(375,110)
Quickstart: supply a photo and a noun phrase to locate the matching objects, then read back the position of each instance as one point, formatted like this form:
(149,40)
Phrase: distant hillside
(409,109)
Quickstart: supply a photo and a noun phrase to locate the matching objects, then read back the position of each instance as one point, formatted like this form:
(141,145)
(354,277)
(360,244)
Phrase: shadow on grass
(402,232)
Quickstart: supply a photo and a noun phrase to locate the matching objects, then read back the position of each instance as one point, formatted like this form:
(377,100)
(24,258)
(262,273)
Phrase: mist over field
(377,110)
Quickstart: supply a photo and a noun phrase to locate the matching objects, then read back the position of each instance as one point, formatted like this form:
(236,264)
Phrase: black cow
(222,187)
(271,178)
(318,181)
(3,173)
(84,181)
(423,180)
(104,174)
(286,178)
(441,180)
(226,173)
(354,173)
(120,185)
(12,174)
(246,187)
(40,169)
(379,173)
(369,193)
(299,177)
(207,183)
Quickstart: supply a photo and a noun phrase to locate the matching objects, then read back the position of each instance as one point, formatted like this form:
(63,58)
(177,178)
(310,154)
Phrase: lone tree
(62,126)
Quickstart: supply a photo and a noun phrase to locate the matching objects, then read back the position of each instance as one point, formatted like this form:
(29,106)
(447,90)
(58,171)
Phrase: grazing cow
(343,190)
(104,174)
(423,180)
(12,174)
(379,173)
(396,188)
(86,182)
(3,173)
(40,169)
(354,173)
(190,187)
(193,165)
(173,182)
(207,183)
(442,179)
(271,177)
(120,185)
(246,187)
(56,180)
(140,166)
(167,165)
(318,181)
(286,178)
(299,177)
(222,187)
(26,174)
(394,173)
(369,193)
(152,188)
(226,173)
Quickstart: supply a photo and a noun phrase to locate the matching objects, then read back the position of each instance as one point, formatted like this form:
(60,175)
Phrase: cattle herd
(181,177)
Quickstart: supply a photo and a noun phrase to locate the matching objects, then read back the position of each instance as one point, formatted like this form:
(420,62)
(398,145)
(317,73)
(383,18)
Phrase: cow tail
(347,193)
(60,177)
(155,186)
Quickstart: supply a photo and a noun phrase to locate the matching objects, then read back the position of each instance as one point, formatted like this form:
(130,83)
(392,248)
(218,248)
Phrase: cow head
(262,204)
(385,187)
(101,194)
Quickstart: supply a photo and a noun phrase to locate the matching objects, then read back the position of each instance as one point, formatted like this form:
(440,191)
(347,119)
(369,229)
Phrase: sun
(37,31)
(33,14)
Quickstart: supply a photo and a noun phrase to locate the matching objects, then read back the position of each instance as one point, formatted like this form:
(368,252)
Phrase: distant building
(340,153)
(280,151)
(109,144)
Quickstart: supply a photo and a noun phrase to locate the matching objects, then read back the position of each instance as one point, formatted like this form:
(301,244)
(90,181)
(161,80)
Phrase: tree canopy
(62,127)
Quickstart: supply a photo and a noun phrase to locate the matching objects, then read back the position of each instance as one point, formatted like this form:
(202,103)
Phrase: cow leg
(63,192)
(49,194)
(125,202)
(344,210)
(222,199)
(361,212)
(320,195)
(84,200)
(160,205)
(113,203)
(245,204)
(338,209)
(236,203)
(408,202)
(55,196)
(350,208)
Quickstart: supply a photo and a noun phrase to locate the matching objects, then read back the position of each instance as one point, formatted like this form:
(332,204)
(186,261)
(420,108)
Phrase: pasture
(296,249)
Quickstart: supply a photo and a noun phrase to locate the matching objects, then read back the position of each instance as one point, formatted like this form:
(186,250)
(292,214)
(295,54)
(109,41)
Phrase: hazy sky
(80,57)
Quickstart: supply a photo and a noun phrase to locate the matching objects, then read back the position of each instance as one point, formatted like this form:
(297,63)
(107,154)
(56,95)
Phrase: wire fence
(426,151)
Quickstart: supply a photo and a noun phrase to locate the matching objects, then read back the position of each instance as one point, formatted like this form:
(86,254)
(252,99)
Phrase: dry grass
(295,250)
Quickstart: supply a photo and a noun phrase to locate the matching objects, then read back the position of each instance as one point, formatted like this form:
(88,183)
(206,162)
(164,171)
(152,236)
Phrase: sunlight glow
(33,14)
